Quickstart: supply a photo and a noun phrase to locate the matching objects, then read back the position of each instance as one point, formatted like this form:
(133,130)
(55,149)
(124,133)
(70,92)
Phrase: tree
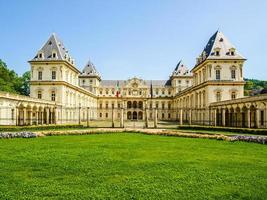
(11,82)
(26,77)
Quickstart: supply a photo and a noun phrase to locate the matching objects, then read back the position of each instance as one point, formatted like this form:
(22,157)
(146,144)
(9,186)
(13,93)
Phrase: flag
(151,90)
(117,90)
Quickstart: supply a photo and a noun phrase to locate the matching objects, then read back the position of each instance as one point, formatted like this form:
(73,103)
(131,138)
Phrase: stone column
(42,117)
(155,118)
(257,118)
(223,117)
(24,116)
(181,117)
(215,117)
(248,118)
(47,116)
(112,118)
(122,118)
(55,116)
(146,124)
(190,116)
(88,117)
(37,117)
(17,116)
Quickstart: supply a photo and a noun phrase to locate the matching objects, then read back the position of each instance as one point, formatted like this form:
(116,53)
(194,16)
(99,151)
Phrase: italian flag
(117,90)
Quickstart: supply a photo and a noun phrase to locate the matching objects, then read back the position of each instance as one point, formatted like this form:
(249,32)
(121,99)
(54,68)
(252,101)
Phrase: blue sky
(126,38)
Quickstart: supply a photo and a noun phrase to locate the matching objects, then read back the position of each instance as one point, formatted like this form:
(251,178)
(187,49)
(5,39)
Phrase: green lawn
(131,166)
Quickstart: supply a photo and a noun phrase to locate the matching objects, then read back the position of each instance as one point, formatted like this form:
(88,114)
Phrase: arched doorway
(129,115)
(140,115)
(129,104)
(134,104)
(134,115)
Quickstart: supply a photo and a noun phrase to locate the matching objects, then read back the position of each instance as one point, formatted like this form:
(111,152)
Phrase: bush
(45,127)
(226,129)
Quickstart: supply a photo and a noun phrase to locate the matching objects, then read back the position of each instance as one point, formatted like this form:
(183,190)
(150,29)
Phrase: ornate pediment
(135,83)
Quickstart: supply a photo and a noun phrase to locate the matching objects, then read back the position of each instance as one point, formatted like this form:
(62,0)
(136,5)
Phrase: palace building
(211,93)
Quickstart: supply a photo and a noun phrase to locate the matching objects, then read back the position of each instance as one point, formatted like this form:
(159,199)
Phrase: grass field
(131,166)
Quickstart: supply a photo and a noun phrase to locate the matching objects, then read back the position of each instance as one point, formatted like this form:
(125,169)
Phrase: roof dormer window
(232,51)
(217,51)
(40,55)
(54,55)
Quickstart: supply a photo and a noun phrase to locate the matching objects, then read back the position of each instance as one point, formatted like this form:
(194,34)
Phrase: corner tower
(90,78)
(181,78)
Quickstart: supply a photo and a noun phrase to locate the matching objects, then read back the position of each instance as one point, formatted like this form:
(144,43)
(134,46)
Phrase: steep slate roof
(181,70)
(89,70)
(53,44)
(218,40)
(122,83)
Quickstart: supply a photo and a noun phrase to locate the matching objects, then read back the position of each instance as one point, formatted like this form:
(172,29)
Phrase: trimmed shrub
(44,127)
(227,129)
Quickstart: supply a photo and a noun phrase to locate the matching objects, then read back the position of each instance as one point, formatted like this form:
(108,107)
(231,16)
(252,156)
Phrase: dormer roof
(56,46)
(181,70)
(218,42)
(90,70)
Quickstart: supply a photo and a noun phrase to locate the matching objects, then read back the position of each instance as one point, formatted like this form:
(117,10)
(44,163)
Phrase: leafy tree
(11,82)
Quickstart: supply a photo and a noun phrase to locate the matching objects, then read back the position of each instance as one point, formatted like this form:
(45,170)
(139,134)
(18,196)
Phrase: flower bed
(7,135)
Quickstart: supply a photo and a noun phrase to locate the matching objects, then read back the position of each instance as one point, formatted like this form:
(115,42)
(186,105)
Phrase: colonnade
(35,115)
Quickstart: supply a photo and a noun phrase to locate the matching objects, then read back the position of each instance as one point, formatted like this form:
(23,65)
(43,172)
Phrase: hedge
(227,129)
(44,127)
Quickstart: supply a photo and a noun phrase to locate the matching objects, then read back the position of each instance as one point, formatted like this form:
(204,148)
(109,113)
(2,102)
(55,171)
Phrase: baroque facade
(209,94)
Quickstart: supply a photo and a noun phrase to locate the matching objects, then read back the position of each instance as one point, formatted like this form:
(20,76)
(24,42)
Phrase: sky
(127,38)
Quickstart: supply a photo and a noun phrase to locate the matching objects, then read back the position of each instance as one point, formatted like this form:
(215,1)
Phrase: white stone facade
(72,96)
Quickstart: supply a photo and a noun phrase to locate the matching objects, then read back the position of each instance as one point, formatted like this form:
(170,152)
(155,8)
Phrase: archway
(140,115)
(140,105)
(129,115)
(129,104)
(134,115)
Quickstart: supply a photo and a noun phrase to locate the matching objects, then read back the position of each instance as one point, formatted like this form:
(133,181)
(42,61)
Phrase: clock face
(135,85)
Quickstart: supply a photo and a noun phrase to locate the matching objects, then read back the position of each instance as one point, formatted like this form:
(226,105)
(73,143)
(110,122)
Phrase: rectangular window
(53,96)
(39,95)
(106,115)
(233,74)
(54,75)
(100,106)
(233,95)
(218,96)
(100,115)
(218,74)
(40,75)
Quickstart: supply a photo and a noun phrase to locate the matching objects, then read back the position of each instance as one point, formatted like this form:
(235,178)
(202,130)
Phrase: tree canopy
(11,82)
